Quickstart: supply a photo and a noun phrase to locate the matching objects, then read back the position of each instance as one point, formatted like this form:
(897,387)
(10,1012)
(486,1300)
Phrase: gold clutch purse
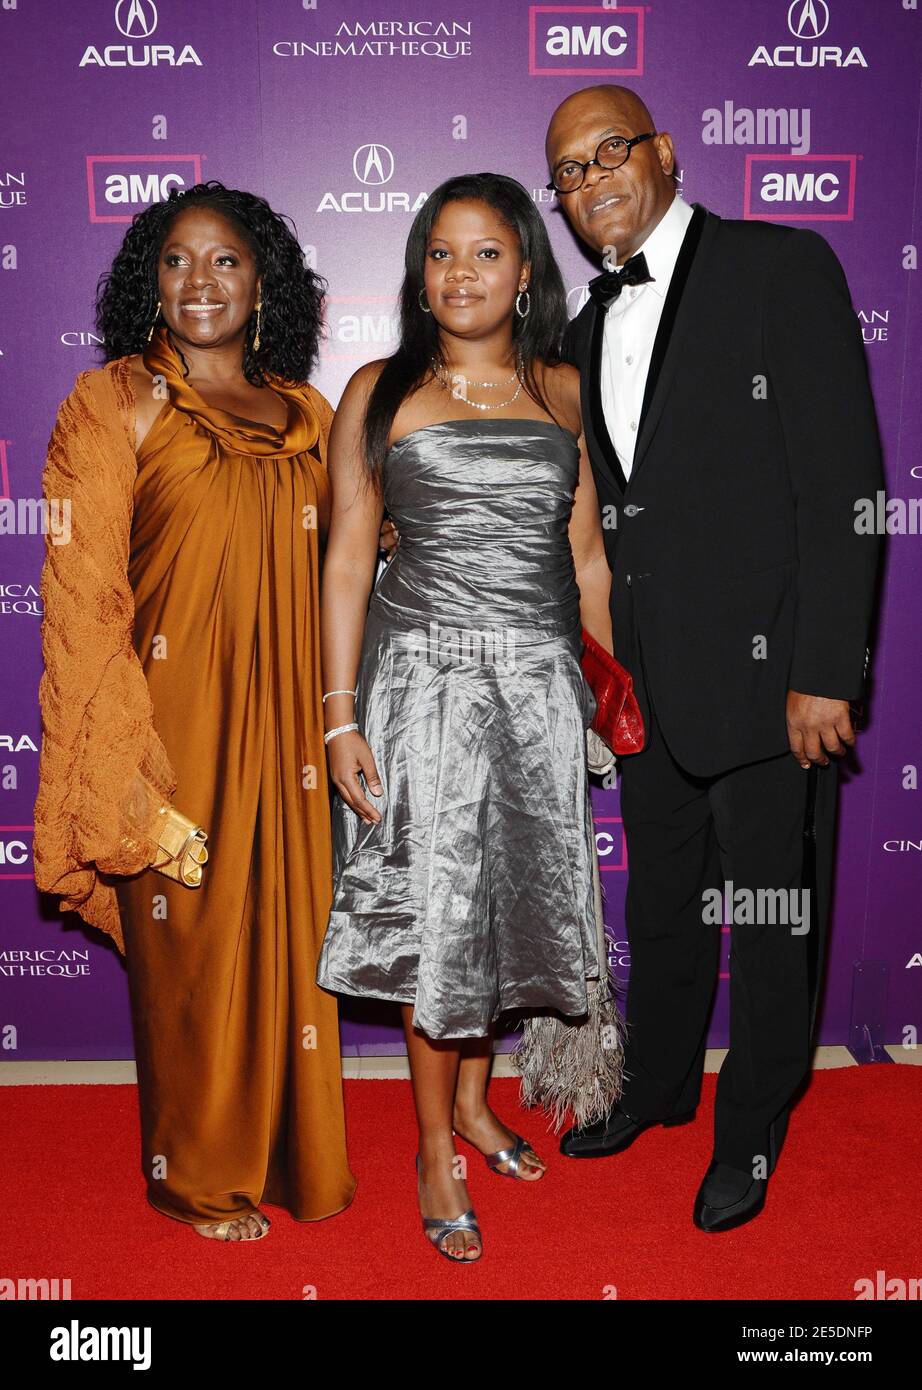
(181,852)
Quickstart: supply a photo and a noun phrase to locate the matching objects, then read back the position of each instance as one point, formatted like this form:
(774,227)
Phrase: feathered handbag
(617,717)
(575,1069)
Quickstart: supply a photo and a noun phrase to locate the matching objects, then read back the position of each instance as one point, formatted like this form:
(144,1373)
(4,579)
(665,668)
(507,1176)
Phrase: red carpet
(844,1202)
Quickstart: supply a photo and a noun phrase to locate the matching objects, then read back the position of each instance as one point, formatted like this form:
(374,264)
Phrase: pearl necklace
(479,405)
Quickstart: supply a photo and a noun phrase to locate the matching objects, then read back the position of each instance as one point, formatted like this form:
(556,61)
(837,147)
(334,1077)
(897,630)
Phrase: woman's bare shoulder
(365,378)
(561,385)
(359,387)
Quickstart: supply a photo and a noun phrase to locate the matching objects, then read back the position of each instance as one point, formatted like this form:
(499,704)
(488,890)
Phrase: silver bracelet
(336,692)
(343,729)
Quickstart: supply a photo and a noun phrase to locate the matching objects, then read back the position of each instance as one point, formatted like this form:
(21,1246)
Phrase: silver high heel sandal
(513,1157)
(437,1228)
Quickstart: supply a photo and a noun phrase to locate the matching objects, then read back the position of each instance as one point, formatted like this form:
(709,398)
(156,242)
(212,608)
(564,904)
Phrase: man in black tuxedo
(731,429)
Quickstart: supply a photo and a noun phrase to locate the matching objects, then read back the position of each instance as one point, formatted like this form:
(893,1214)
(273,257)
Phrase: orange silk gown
(237,1047)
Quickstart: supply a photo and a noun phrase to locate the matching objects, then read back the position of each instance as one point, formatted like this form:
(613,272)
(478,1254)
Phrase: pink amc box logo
(585,41)
(800,187)
(119,185)
(15,851)
(610,844)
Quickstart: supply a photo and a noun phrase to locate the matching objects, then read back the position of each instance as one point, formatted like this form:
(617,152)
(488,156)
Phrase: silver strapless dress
(474,892)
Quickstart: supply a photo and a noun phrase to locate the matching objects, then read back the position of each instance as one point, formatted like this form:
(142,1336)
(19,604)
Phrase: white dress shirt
(631,322)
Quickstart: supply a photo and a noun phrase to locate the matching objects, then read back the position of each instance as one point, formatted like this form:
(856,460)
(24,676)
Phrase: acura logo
(136,19)
(808,19)
(373,164)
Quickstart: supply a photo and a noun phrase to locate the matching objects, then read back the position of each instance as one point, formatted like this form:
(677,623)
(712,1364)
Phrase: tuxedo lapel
(591,390)
(684,300)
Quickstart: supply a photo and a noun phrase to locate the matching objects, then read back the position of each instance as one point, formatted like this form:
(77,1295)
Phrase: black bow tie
(607,286)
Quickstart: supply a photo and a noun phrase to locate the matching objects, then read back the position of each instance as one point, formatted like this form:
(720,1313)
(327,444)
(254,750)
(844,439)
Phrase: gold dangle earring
(154,324)
(256,339)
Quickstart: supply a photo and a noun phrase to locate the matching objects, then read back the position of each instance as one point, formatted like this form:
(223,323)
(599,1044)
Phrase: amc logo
(585,41)
(800,187)
(16,851)
(357,322)
(611,844)
(120,185)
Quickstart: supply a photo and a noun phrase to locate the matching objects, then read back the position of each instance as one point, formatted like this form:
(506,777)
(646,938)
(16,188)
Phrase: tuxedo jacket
(737,571)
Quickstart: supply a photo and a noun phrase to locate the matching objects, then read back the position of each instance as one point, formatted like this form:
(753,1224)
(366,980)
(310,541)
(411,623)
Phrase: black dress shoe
(616,1132)
(728,1197)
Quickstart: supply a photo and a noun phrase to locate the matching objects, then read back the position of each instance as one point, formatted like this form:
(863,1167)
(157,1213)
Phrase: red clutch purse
(617,718)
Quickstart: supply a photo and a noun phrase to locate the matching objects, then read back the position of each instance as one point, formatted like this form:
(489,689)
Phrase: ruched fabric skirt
(474,892)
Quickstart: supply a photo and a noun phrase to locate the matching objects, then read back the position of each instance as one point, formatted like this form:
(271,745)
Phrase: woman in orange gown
(237,1047)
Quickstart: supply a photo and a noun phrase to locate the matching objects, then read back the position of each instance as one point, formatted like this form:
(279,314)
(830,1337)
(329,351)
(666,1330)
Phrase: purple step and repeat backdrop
(346,116)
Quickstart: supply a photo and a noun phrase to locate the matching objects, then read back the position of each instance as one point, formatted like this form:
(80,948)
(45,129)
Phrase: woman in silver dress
(455,706)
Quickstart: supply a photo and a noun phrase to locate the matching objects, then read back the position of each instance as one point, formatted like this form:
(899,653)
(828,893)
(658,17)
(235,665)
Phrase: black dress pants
(687,835)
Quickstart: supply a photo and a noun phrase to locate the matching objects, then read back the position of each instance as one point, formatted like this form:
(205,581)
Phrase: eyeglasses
(611,154)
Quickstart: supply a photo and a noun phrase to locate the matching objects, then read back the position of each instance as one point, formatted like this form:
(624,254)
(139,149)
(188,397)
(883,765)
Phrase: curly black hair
(292,295)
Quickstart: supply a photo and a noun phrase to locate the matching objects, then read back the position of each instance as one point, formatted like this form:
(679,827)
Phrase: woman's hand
(349,755)
(388,539)
(181,852)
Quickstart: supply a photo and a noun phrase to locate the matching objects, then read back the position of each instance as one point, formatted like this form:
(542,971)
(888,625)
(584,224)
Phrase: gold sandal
(223,1228)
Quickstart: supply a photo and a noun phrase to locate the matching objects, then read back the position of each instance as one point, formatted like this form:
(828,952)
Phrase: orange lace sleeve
(104,773)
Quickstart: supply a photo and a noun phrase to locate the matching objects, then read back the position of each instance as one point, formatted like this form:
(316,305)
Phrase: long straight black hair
(538,336)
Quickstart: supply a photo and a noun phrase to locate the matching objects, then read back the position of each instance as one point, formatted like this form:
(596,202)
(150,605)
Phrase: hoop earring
(256,339)
(154,324)
(528,307)
(419,299)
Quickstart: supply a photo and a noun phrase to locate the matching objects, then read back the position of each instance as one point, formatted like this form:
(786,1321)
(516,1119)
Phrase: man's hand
(817,726)
(388,538)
